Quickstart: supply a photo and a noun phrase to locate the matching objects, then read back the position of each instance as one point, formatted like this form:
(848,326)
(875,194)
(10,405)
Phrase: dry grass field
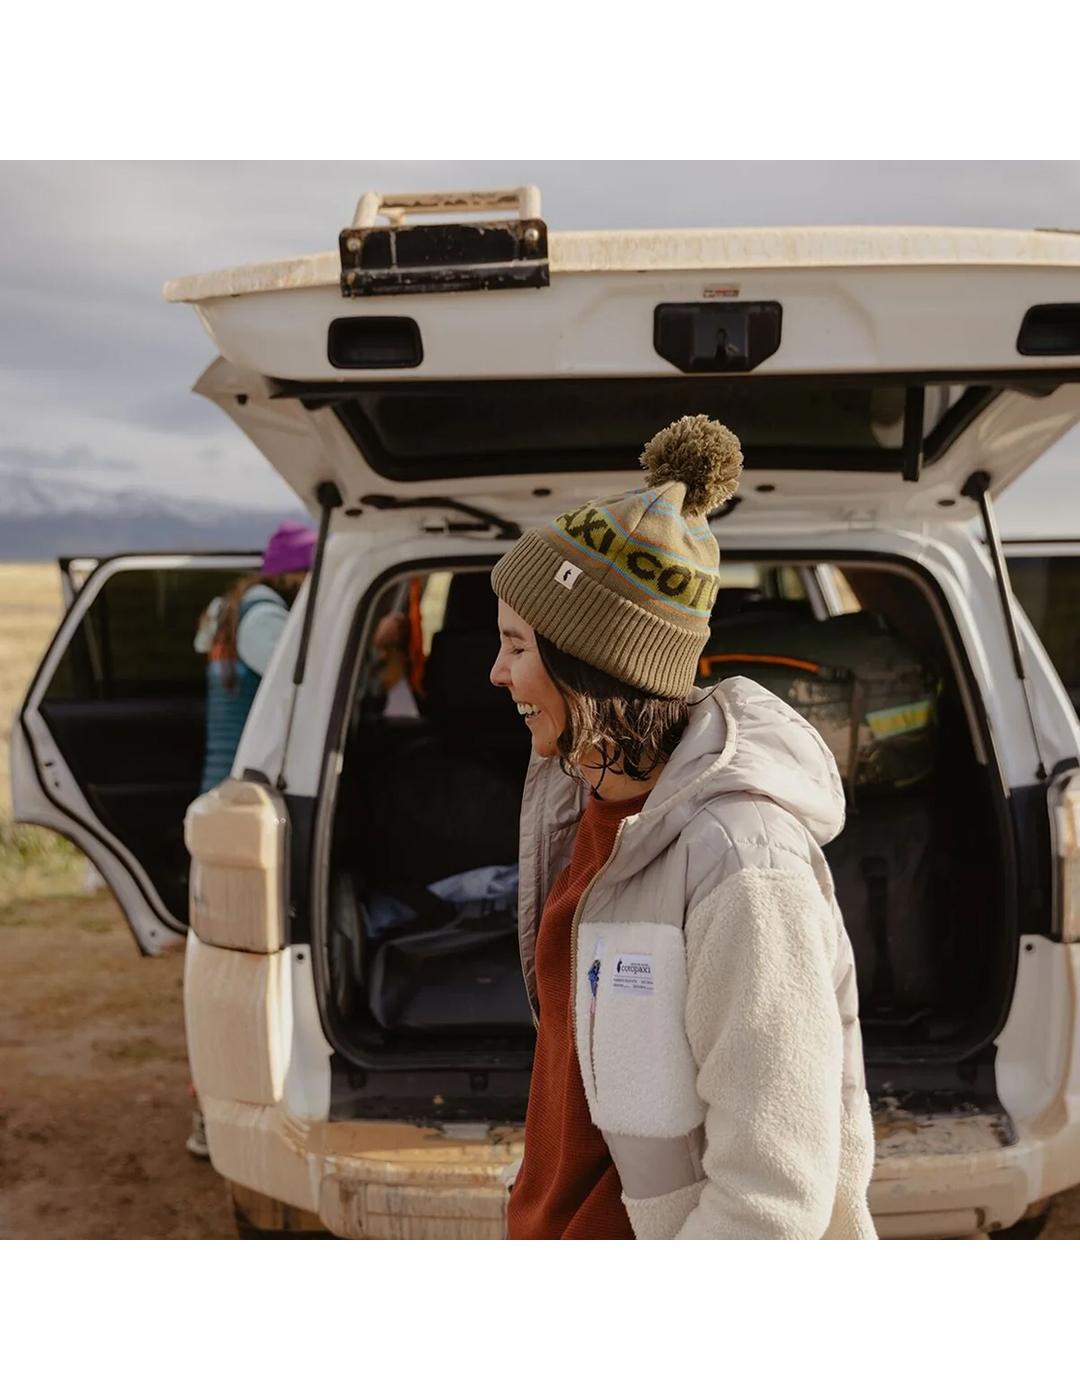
(30,608)
(31,861)
(95,1106)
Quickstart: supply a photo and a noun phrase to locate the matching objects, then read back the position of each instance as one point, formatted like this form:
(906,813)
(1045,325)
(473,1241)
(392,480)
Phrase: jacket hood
(741,738)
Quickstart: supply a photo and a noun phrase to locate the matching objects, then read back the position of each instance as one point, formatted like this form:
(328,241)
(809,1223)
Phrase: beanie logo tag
(567,574)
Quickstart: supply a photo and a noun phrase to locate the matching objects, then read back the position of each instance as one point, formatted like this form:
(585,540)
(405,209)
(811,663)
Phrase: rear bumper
(397,1181)
(960,1193)
(356,1208)
(950,1198)
(380,1181)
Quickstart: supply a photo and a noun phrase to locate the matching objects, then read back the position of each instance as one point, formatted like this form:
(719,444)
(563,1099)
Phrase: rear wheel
(1030,1225)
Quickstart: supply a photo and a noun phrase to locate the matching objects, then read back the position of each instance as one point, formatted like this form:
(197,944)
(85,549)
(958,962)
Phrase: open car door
(108,746)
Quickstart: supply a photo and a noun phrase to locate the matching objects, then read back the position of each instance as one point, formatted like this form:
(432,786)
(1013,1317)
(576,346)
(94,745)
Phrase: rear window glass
(427,431)
(1048,588)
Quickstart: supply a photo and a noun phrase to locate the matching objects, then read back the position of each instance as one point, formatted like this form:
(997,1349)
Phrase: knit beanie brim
(594,624)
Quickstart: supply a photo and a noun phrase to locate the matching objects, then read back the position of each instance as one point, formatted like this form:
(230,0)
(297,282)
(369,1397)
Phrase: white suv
(358,1034)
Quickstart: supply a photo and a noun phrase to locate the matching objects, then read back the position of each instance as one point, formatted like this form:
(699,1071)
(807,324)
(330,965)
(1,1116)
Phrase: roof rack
(399,258)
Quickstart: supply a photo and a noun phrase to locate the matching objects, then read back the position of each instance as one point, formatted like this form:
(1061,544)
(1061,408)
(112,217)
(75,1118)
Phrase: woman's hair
(631,731)
(224,645)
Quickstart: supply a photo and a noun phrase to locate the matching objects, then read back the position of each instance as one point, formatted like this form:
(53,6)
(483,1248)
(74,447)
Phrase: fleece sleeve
(764,1027)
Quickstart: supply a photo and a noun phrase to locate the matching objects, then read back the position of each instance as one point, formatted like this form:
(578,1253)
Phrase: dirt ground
(94,1105)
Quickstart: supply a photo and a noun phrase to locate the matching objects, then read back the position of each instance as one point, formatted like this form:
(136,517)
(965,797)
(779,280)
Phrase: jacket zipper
(573,949)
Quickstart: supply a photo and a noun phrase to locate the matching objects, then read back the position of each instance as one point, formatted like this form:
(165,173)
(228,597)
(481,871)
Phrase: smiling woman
(698,1070)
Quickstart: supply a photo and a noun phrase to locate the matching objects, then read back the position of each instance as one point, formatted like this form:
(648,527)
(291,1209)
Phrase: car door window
(135,641)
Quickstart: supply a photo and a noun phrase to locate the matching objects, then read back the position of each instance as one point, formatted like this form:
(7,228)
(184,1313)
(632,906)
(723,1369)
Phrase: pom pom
(701,453)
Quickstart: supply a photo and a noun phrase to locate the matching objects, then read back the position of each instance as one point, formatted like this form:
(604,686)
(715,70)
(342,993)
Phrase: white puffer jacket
(720,1050)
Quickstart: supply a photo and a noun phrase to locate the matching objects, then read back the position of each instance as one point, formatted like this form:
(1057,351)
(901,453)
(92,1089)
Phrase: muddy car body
(428,396)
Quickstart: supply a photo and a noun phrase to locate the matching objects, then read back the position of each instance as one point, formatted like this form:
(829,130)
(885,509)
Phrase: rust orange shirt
(567,1187)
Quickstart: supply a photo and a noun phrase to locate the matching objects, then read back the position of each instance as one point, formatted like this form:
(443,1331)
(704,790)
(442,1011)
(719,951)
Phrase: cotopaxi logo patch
(633,972)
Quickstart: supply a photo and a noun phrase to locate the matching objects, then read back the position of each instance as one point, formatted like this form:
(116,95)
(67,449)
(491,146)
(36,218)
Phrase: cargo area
(420,978)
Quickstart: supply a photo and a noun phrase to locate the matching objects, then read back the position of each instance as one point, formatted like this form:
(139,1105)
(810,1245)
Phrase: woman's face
(519,668)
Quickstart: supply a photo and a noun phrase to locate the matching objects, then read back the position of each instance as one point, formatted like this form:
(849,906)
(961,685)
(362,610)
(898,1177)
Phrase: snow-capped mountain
(47,514)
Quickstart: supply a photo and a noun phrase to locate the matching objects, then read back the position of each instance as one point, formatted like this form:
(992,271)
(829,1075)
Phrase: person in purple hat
(238,633)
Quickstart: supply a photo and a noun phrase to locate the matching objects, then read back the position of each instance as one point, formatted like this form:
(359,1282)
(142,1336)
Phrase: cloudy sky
(95,369)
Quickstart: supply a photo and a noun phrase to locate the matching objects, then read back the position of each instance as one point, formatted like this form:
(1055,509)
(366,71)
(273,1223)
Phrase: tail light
(236,836)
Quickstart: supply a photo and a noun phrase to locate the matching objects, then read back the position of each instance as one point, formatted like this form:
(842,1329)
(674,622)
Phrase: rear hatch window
(414,431)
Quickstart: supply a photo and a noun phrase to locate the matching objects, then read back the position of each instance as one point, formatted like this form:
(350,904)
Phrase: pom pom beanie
(627,583)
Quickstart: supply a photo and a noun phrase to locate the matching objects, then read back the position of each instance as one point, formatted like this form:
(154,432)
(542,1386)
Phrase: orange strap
(759,659)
